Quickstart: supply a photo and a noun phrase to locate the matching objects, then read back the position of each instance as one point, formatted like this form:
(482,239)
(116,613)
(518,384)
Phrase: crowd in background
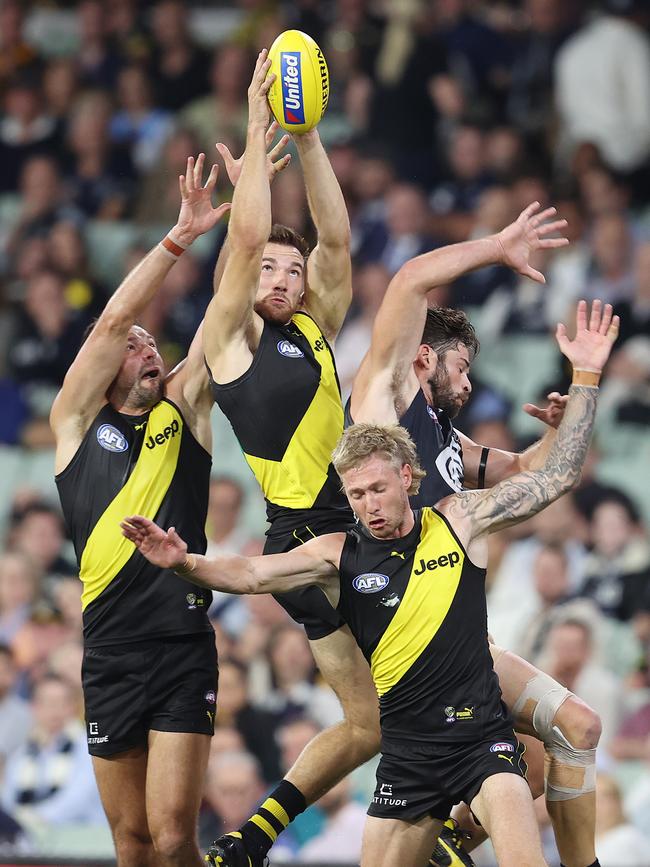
(446,118)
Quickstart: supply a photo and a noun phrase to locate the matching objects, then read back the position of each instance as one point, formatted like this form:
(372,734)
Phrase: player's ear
(426,357)
(407,477)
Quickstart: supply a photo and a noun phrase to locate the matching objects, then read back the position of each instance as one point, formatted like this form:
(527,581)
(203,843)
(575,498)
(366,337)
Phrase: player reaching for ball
(446,734)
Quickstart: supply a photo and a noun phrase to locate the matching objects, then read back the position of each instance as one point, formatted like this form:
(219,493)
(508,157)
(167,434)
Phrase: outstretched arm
(525,494)
(230,313)
(315,562)
(397,332)
(328,288)
(99,359)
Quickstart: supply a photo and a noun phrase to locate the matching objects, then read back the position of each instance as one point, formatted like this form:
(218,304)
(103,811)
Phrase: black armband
(482,465)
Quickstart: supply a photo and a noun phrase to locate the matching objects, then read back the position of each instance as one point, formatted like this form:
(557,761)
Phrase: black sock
(272,817)
(595,864)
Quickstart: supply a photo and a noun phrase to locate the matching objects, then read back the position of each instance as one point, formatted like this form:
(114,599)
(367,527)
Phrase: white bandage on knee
(571,771)
(539,701)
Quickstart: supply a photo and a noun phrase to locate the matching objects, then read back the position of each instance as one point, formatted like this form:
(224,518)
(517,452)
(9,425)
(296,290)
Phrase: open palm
(197,215)
(526,235)
(164,549)
(595,336)
(274,162)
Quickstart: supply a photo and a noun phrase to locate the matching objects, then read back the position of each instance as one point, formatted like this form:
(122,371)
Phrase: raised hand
(553,413)
(258,106)
(595,336)
(197,216)
(164,549)
(274,162)
(526,235)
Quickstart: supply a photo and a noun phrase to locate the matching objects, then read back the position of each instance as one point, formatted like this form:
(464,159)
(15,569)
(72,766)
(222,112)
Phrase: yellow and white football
(298,96)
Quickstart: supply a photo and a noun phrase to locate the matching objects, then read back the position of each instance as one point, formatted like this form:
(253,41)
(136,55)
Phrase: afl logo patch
(432,413)
(502,748)
(289,349)
(370,582)
(111,439)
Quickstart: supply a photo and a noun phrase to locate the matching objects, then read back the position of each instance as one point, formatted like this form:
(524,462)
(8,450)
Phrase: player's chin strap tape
(571,772)
(482,465)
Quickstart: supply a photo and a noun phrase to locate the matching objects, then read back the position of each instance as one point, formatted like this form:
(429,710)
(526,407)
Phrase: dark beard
(141,398)
(441,394)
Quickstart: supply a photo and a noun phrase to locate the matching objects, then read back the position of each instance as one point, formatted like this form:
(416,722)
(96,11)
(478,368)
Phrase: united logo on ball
(298,96)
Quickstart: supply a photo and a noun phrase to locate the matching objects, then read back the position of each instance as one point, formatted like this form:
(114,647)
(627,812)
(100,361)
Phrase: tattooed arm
(474,513)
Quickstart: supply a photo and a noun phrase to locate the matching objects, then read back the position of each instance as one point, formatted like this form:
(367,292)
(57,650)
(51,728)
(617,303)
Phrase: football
(298,96)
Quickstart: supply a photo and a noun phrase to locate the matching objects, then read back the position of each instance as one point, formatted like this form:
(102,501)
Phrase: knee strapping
(571,771)
(540,700)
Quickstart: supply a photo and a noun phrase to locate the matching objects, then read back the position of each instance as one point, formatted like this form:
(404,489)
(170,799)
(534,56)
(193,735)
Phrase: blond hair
(391,441)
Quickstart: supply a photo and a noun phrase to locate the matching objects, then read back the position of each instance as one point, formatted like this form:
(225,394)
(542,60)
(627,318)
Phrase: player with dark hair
(446,735)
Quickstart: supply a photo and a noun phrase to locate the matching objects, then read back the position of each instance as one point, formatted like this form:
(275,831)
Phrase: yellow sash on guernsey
(423,608)
(107,551)
(296,480)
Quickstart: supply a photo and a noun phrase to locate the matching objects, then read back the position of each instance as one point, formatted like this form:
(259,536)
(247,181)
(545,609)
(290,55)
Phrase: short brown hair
(289,238)
(446,327)
(392,441)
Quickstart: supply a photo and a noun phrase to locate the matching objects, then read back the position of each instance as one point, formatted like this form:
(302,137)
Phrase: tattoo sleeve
(524,494)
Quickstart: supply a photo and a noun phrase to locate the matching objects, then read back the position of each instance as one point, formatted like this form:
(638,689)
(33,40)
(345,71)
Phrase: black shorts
(309,606)
(166,684)
(415,780)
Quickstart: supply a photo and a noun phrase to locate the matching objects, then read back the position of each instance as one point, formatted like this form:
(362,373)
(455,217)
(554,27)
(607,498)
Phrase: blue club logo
(289,349)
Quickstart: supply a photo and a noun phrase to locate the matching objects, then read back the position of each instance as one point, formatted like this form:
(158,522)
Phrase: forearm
(229,574)
(250,216)
(137,289)
(447,264)
(534,457)
(324,196)
(221,263)
(568,451)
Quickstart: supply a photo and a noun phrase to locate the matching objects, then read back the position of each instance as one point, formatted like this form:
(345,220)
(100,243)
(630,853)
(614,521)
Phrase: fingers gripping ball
(298,96)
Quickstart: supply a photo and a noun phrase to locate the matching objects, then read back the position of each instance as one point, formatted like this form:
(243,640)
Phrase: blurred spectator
(602,192)
(617,841)
(226,739)
(221,116)
(157,200)
(612,244)
(138,124)
(48,334)
(289,201)
(340,839)
(505,152)
(233,789)
(49,780)
(256,726)
(98,59)
(407,217)
(38,532)
(100,174)
(292,738)
(370,284)
(617,571)
(635,313)
(16,54)
(15,714)
(42,205)
(373,175)
(292,687)
(127,29)
(68,255)
(60,88)
(632,741)
(179,69)
(568,656)
(601,88)
(531,626)
(26,129)
(530,100)
(224,528)
(19,588)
